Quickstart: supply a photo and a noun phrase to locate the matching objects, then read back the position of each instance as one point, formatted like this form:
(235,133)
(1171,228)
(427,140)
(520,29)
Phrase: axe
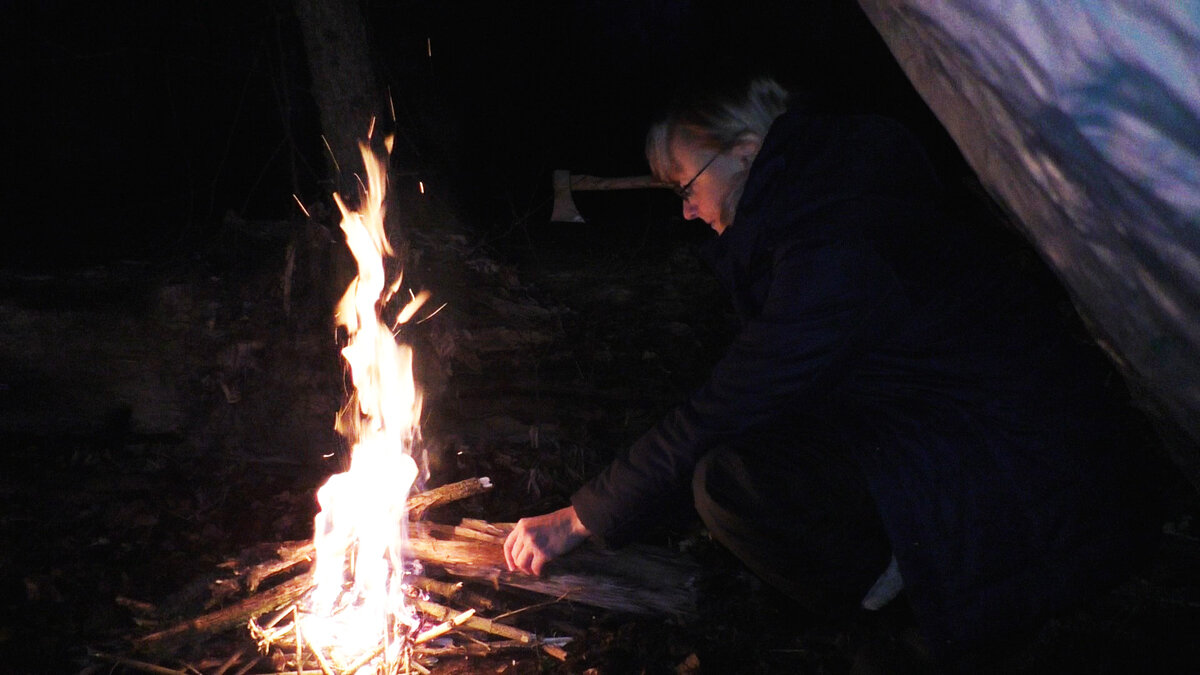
(564,183)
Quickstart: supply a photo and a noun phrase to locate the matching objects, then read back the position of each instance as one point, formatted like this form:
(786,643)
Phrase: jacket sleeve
(827,301)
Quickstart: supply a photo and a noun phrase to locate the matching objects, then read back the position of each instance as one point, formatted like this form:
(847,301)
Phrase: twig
(557,652)
(534,606)
(246,668)
(444,627)
(278,617)
(230,662)
(477,649)
(493,627)
(463,533)
(442,613)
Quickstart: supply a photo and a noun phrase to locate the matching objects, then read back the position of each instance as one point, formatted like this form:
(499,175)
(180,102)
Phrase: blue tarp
(1083,121)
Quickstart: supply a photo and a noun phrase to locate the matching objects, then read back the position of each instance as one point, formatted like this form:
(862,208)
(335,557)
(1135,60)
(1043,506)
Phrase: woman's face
(716,174)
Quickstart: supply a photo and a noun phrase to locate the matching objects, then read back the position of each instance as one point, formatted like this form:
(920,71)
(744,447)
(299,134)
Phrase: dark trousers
(795,508)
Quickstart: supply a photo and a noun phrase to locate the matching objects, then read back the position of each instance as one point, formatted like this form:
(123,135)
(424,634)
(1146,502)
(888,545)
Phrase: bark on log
(418,504)
(343,82)
(636,579)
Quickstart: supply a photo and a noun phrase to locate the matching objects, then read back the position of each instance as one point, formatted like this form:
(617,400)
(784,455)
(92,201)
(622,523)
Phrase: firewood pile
(258,628)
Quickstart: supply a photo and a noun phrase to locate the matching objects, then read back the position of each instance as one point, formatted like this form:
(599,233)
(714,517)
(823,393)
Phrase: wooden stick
(289,558)
(460,532)
(230,662)
(443,613)
(450,591)
(499,530)
(475,649)
(439,588)
(443,627)
(495,628)
(246,668)
(419,503)
(232,616)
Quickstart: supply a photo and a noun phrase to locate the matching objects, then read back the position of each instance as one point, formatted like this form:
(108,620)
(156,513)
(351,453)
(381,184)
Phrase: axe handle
(580,182)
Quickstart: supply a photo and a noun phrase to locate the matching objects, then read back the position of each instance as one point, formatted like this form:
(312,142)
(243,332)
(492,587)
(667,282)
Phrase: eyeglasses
(685,191)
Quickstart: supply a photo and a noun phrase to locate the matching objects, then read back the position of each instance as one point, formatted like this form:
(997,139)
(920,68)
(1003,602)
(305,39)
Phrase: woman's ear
(746,148)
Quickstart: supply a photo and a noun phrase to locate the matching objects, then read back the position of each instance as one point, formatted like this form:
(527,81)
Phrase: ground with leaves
(161,420)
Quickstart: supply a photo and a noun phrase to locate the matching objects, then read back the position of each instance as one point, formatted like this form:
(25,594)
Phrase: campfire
(356,614)
(359,597)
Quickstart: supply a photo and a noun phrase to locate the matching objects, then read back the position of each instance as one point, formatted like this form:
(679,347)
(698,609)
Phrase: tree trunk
(343,83)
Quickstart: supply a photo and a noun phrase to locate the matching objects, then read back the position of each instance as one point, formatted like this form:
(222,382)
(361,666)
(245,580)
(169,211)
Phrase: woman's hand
(536,541)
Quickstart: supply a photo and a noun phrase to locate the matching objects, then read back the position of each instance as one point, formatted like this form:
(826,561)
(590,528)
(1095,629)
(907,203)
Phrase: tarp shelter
(1082,119)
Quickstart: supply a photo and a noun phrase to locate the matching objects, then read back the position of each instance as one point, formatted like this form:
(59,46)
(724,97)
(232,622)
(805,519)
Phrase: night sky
(135,129)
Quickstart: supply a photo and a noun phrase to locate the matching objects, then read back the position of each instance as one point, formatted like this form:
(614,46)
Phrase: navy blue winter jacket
(979,422)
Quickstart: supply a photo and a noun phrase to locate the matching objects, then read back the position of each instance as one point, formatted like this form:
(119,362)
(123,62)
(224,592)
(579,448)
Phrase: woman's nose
(689,210)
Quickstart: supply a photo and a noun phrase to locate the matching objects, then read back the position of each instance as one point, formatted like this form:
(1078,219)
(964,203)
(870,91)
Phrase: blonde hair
(716,119)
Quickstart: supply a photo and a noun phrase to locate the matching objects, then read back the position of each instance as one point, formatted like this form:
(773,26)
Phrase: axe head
(564,205)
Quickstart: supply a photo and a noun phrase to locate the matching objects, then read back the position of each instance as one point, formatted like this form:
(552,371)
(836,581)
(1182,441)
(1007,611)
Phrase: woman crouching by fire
(902,408)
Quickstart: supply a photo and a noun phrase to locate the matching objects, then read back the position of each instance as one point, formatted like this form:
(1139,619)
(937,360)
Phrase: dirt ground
(161,418)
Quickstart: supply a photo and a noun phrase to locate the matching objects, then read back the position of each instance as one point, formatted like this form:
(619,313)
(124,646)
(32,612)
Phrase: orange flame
(357,603)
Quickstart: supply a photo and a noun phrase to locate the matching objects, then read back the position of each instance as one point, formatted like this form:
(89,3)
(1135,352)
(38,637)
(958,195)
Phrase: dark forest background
(139,130)
(168,367)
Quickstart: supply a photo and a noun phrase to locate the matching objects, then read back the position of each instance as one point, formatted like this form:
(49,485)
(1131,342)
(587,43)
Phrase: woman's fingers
(515,546)
(509,545)
(521,552)
(538,540)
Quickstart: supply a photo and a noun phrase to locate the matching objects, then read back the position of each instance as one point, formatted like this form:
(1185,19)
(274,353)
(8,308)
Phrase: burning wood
(641,580)
(352,600)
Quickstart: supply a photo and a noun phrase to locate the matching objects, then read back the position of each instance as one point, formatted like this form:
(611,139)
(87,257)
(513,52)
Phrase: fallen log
(638,579)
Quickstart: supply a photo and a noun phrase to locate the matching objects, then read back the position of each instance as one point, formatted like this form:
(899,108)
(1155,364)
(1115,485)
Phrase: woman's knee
(724,493)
